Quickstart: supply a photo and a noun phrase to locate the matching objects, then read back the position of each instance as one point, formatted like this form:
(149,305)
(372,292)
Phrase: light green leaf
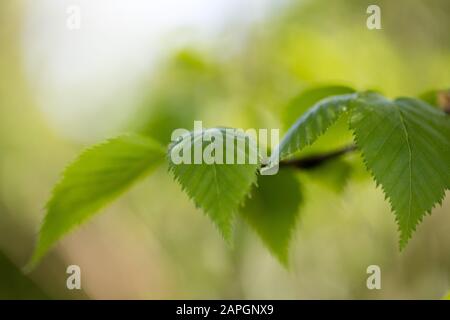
(100,174)
(273,210)
(216,188)
(312,125)
(307,98)
(406,145)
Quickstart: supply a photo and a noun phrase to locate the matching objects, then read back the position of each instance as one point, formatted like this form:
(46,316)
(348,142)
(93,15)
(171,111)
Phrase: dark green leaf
(16,285)
(406,145)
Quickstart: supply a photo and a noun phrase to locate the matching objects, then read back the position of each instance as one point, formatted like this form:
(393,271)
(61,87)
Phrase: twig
(314,161)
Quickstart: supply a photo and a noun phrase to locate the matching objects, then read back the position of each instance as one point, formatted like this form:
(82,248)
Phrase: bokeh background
(152,66)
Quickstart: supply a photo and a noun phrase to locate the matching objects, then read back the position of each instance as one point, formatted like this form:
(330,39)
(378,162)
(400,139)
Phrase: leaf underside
(406,145)
(313,124)
(307,98)
(100,174)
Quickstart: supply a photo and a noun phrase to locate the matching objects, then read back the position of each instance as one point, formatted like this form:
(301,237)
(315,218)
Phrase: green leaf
(99,175)
(301,103)
(216,188)
(406,145)
(313,124)
(273,210)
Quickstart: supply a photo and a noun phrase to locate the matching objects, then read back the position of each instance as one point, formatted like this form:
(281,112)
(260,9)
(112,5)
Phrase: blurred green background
(152,242)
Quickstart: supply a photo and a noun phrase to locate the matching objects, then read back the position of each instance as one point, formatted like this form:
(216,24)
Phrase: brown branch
(314,161)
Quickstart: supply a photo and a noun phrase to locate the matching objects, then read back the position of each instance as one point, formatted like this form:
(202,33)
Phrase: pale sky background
(87,81)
